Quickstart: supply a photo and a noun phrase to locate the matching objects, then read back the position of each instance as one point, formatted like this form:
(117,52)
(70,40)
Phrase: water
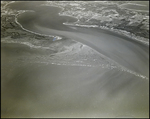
(86,72)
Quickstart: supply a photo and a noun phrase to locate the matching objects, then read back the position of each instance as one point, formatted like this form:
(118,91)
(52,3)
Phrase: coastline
(58,32)
(35,84)
(111,31)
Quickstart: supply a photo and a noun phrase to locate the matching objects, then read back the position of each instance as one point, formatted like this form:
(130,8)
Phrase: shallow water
(132,55)
(31,89)
(78,81)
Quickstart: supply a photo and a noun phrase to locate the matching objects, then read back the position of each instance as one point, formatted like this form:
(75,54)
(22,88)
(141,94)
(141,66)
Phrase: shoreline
(112,31)
(69,79)
(66,34)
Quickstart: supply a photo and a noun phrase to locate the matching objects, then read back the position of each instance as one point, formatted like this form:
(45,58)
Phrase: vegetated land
(110,16)
(107,15)
(10,28)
